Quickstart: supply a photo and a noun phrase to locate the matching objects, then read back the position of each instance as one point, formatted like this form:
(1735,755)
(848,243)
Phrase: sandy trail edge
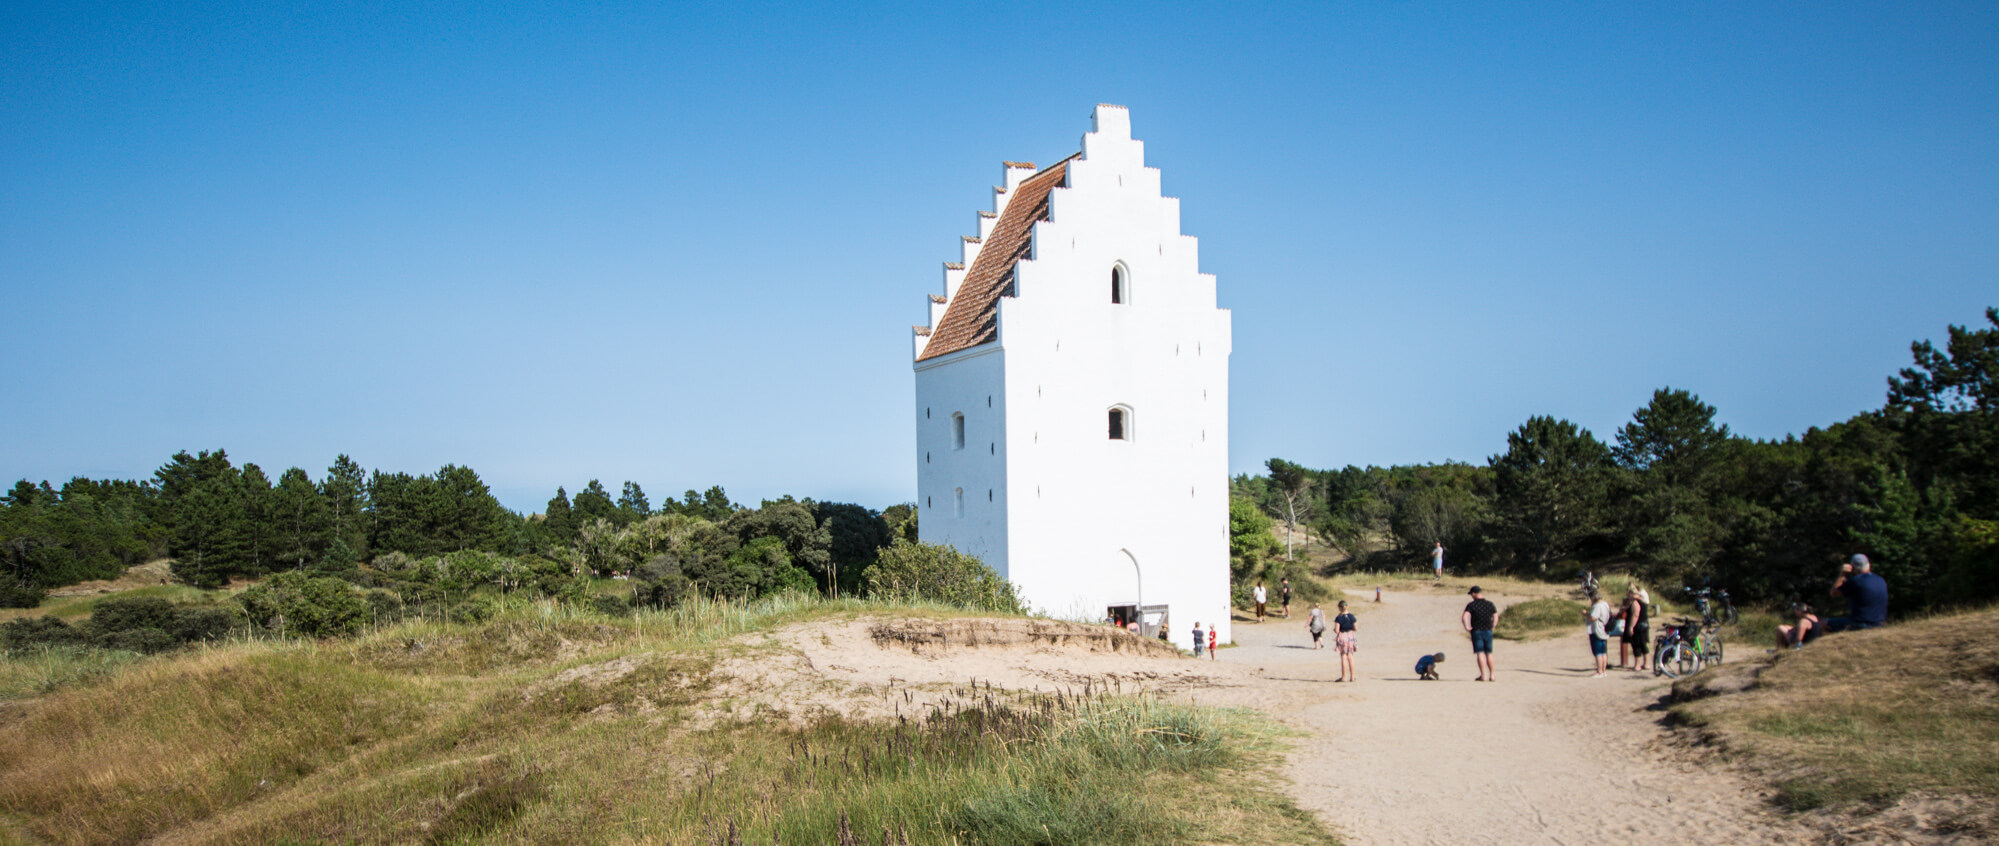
(1546,754)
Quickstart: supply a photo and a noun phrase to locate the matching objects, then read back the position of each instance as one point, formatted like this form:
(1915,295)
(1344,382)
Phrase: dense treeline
(428,540)
(1677,497)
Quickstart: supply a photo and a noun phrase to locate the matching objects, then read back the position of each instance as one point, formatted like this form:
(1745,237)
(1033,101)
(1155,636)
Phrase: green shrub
(295,603)
(917,571)
(384,606)
(40,631)
(472,611)
(610,605)
(192,625)
(17,595)
(144,641)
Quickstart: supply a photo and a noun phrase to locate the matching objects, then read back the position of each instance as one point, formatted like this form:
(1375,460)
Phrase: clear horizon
(684,246)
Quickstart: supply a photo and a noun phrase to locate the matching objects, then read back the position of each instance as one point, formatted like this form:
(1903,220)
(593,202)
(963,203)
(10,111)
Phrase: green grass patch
(40,670)
(1538,618)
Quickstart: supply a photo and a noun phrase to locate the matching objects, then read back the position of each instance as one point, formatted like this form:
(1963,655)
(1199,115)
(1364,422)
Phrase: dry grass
(553,724)
(1863,718)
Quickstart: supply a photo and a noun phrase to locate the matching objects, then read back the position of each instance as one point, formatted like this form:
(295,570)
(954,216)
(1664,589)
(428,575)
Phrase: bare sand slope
(1546,754)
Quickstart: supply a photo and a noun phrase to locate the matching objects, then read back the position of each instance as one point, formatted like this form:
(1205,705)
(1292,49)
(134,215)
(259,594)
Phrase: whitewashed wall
(1077,520)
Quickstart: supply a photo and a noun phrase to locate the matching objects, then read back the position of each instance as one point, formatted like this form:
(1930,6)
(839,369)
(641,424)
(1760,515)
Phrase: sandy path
(1544,755)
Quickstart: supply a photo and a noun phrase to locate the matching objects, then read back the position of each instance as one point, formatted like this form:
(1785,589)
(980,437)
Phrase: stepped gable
(973,316)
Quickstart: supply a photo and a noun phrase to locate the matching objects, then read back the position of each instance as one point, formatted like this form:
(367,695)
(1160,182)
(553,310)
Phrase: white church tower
(1072,395)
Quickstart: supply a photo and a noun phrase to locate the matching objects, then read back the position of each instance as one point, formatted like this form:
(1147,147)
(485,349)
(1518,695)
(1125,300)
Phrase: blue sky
(683,244)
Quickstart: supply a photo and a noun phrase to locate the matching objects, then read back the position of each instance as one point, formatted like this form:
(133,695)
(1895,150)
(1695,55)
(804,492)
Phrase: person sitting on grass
(1805,630)
(1866,596)
(1426,666)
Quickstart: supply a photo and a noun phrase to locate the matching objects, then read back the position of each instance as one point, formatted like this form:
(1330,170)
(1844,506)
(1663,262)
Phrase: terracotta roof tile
(937,298)
(973,316)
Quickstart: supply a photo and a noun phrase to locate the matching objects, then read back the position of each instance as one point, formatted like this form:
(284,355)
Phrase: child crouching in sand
(1426,666)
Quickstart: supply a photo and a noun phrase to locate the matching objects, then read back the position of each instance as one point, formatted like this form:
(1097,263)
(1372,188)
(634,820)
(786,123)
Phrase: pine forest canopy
(220,521)
(1676,497)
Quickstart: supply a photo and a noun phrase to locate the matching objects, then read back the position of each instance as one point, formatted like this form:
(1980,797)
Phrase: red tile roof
(973,316)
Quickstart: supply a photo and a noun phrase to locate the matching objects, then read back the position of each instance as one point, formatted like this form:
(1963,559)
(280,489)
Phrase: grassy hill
(1900,723)
(553,724)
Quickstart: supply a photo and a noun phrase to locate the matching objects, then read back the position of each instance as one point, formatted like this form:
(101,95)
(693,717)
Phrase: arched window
(1120,423)
(1119,293)
(957,431)
(958,502)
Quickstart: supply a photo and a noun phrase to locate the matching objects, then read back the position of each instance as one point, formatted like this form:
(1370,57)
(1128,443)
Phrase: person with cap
(1479,618)
(1866,596)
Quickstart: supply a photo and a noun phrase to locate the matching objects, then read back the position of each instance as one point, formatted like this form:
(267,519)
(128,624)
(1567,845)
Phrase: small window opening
(1117,285)
(957,431)
(1120,428)
(958,502)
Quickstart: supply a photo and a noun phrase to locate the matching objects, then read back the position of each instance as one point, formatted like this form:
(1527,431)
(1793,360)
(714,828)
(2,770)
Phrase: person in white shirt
(1260,595)
(1598,616)
(1437,560)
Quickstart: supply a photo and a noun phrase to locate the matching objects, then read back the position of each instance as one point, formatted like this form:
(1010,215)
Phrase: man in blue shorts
(1479,617)
(1866,597)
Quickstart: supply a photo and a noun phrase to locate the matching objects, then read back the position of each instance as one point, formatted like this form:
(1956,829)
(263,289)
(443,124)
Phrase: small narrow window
(1120,426)
(1117,285)
(958,502)
(957,431)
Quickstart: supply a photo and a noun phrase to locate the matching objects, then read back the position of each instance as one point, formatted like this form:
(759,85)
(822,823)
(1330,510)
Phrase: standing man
(1437,560)
(1261,596)
(1284,595)
(1866,597)
(1479,617)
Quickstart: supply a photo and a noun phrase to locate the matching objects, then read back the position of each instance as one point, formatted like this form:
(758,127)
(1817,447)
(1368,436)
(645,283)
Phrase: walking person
(1261,596)
(1437,560)
(1315,623)
(1345,641)
(1479,618)
(1284,596)
(1598,617)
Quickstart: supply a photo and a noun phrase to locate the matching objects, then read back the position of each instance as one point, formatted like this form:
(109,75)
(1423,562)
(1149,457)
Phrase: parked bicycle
(1714,606)
(1684,649)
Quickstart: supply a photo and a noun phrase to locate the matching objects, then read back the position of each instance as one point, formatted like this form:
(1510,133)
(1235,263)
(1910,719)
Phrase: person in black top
(1479,618)
(1284,594)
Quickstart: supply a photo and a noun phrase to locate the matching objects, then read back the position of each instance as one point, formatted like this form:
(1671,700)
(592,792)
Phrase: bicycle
(1713,614)
(1684,649)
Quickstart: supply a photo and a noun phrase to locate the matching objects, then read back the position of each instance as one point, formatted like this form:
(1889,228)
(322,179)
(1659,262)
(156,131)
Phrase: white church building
(1072,396)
